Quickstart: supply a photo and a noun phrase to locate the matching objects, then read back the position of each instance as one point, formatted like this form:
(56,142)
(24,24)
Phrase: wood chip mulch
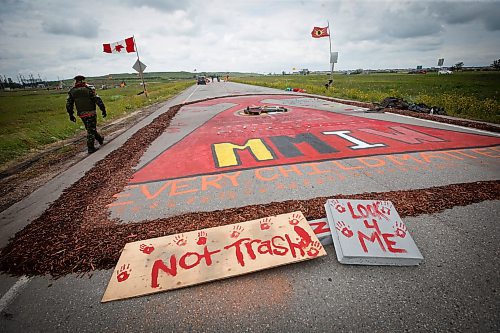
(76,235)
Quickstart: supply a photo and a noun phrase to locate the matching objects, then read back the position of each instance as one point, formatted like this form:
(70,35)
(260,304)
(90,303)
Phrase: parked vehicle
(201,80)
(444,71)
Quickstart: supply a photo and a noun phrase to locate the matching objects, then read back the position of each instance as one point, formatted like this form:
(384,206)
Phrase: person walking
(86,99)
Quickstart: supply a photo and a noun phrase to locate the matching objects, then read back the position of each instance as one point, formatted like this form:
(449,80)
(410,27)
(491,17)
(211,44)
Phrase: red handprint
(400,229)
(237,230)
(338,206)
(265,223)
(202,238)
(296,218)
(384,208)
(146,249)
(315,248)
(344,229)
(123,273)
(180,240)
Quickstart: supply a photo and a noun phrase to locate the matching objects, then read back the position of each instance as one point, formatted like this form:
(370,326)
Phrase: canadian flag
(127,45)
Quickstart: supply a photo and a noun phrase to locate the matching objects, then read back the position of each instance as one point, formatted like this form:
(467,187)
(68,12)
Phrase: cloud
(161,5)
(87,28)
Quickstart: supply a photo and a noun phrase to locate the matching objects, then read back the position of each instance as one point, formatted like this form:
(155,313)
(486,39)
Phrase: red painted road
(232,141)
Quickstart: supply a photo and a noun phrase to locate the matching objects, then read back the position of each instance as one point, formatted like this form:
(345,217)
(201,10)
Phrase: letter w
(225,152)
(404,134)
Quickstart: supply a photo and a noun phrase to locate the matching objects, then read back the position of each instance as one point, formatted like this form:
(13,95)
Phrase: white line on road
(13,292)
(437,122)
(191,94)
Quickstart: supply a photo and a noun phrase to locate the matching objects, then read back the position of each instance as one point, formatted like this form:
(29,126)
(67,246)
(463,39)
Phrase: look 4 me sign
(369,232)
(182,260)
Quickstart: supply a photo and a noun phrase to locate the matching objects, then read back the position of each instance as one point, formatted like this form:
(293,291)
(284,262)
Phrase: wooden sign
(195,257)
(370,232)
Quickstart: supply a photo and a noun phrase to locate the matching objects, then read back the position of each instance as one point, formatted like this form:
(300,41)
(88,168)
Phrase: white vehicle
(444,71)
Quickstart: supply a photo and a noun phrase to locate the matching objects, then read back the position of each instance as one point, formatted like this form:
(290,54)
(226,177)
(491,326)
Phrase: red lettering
(374,237)
(265,248)
(320,227)
(390,244)
(374,225)
(159,264)
(279,247)
(239,254)
(293,246)
(354,216)
(250,250)
(207,255)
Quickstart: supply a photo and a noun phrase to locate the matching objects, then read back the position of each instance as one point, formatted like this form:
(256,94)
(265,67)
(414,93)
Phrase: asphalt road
(455,288)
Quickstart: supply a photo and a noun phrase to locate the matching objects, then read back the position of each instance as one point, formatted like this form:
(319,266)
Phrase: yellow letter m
(225,153)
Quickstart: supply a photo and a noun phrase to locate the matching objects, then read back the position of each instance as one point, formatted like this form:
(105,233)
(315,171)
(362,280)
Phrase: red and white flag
(123,46)
(320,32)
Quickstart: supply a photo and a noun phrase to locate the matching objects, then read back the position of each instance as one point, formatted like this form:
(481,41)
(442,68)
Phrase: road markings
(190,95)
(13,292)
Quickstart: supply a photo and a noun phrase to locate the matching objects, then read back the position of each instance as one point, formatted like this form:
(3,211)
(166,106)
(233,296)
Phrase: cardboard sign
(182,260)
(367,232)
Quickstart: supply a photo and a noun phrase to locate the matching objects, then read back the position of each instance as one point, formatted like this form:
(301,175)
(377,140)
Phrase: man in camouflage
(85,99)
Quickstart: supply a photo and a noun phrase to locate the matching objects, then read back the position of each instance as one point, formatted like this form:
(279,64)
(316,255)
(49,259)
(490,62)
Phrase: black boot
(92,150)
(100,140)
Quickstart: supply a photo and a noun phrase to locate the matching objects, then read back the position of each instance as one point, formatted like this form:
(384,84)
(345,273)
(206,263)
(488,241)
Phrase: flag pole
(140,67)
(330,40)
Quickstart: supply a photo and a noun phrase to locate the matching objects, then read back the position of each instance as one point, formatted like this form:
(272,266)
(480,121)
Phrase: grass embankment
(31,119)
(471,95)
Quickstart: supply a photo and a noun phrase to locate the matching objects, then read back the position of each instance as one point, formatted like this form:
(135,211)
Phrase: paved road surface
(456,287)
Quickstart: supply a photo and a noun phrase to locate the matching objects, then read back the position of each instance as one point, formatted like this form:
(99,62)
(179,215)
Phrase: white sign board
(181,260)
(367,232)
(334,56)
(139,66)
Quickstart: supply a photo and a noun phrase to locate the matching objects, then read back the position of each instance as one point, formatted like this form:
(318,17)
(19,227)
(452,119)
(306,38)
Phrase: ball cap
(79,78)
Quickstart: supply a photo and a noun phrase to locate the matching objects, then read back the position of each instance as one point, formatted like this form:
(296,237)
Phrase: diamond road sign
(139,66)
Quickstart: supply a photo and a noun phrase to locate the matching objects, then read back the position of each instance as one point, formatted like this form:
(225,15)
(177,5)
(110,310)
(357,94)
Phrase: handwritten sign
(182,260)
(322,230)
(370,232)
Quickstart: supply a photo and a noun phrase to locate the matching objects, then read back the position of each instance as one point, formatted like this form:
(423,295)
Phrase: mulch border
(76,234)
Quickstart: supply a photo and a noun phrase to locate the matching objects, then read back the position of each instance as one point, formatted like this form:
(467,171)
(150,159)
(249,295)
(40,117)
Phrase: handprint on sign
(338,206)
(344,229)
(314,250)
(146,249)
(400,229)
(296,218)
(384,208)
(202,238)
(123,273)
(180,240)
(237,230)
(265,223)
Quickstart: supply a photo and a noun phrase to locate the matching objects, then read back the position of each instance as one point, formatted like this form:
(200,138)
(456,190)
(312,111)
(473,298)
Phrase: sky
(60,38)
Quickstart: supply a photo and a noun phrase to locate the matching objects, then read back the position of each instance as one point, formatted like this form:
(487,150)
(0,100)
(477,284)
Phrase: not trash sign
(370,232)
(195,257)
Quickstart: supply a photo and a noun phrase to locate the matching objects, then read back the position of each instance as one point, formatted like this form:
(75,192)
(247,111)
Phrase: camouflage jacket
(85,100)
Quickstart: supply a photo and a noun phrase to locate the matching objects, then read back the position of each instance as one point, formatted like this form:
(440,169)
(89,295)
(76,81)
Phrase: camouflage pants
(92,135)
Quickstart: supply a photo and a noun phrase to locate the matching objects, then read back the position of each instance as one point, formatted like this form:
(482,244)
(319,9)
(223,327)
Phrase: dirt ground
(21,177)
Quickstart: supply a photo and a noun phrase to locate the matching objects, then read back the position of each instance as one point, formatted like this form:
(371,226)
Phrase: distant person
(86,99)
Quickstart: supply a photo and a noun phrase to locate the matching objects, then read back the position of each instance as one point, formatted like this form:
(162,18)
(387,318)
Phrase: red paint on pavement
(231,141)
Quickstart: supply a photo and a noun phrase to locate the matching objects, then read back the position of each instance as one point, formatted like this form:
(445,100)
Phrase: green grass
(472,95)
(30,119)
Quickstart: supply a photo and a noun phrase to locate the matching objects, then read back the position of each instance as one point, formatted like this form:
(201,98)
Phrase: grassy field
(31,119)
(472,95)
